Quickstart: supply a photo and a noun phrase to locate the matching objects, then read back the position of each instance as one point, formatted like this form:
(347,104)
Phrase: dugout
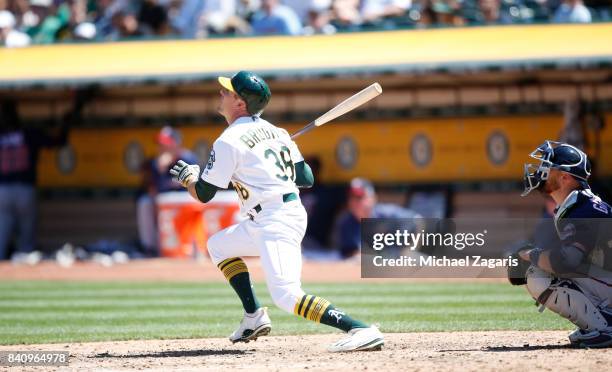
(460,108)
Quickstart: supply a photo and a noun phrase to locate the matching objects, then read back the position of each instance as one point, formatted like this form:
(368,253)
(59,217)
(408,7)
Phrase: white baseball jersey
(257,157)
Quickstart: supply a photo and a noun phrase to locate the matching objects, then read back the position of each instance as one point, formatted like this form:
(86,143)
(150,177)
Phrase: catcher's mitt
(517,275)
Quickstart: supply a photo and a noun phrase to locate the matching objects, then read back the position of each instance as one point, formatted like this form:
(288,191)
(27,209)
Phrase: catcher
(572,280)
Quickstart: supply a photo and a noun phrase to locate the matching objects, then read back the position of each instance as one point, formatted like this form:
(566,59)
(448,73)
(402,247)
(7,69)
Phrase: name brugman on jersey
(258,158)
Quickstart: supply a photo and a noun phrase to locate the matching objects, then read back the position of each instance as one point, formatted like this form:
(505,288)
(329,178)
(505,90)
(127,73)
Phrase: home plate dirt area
(464,351)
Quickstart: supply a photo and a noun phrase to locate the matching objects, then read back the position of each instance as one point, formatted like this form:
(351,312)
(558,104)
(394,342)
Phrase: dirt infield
(459,351)
(166,270)
(175,270)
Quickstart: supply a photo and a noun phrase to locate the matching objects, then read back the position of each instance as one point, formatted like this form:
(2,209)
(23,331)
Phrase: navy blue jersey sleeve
(585,223)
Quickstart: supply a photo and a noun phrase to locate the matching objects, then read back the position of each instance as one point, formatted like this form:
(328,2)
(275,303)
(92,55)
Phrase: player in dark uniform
(573,280)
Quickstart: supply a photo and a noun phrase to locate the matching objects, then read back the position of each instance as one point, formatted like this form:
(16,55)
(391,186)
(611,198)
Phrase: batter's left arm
(188,176)
(202,190)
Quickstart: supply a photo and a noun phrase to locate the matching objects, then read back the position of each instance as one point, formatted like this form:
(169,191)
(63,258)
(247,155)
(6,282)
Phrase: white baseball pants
(274,234)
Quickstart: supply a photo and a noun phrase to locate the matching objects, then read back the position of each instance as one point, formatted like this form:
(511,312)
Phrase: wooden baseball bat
(342,108)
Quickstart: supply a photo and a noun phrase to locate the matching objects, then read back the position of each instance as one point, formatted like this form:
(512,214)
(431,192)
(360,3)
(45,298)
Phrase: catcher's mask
(556,155)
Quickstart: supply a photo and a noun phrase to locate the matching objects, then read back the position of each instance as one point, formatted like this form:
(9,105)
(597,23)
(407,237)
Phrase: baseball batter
(572,280)
(265,168)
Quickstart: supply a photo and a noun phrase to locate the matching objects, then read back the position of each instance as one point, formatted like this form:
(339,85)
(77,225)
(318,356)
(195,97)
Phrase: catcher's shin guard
(565,298)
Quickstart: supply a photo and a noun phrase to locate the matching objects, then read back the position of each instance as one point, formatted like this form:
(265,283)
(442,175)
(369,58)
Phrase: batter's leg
(282,262)
(225,248)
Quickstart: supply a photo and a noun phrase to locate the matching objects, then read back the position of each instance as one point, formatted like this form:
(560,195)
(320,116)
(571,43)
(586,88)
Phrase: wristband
(534,256)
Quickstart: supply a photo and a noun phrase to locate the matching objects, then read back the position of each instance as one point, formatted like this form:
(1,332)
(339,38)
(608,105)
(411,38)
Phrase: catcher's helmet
(251,88)
(556,155)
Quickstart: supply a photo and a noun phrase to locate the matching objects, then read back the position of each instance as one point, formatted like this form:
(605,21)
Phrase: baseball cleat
(359,339)
(252,326)
(598,339)
(579,335)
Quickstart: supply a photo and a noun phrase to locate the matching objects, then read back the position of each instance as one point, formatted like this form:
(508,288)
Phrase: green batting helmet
(251,88)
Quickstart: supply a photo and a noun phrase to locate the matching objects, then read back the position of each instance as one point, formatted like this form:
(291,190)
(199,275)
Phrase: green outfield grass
(44,312)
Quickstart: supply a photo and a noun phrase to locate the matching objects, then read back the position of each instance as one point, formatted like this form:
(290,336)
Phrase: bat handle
(307,128)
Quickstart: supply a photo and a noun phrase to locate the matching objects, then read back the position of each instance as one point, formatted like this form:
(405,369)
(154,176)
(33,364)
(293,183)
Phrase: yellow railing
(401,50)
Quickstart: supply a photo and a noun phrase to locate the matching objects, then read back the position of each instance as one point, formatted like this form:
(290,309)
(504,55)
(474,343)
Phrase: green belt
(286,199)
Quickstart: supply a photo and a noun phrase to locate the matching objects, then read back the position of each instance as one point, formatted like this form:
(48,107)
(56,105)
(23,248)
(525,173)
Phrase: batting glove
(184,173)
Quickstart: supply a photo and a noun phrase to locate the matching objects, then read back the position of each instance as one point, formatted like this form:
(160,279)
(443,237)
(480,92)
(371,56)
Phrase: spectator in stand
(154,17)
(187,19)
(346,14)
(362,203)
(572,11)
(440,13)
(276,19)
(101,14)
(77,27)
(319,18)
(375,10)
(9,36)
(126,25)
(19,151)
(157,179)
(46,19)
(300,7)
(246,9)
(491,13)
(219,17)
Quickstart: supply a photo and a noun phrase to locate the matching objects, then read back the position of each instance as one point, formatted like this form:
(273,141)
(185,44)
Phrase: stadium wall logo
(421,150)
(347,153)
(133,156)
(66,159)
(498,148)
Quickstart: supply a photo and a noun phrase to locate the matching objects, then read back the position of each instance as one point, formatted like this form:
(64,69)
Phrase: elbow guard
(303,175)
(205,191)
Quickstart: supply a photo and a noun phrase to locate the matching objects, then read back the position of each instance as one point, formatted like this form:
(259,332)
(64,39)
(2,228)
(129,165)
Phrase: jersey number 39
(283,162)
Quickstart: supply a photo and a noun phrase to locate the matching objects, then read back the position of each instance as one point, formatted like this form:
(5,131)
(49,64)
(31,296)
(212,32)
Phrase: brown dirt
(177,270)
(163,270)
(457,351)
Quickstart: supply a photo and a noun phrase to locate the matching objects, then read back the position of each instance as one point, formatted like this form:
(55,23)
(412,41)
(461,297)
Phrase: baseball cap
(7,19)
(169,136)
(226,83)
(252,88)
(43,3)
(85,30)
(360,187)
(318,6)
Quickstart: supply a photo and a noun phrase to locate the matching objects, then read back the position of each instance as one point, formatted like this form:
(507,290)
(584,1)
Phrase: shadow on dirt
(174,354)
(515,348)
(528,348)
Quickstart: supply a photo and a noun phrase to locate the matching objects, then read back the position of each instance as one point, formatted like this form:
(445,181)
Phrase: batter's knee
(285,296)
(215,249)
